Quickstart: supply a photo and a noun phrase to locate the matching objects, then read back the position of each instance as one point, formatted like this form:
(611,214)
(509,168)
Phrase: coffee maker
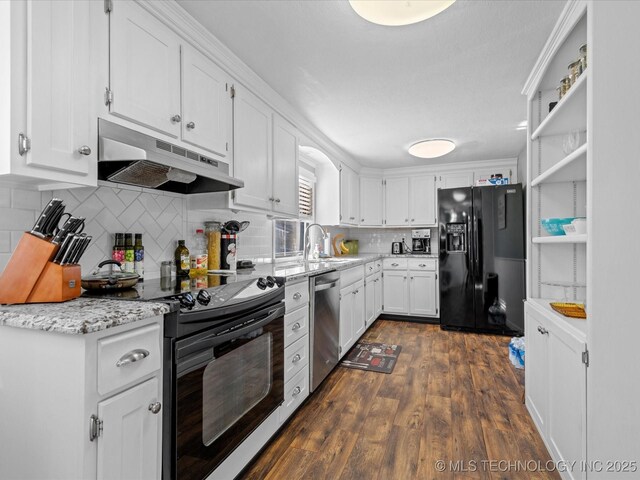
(421,240)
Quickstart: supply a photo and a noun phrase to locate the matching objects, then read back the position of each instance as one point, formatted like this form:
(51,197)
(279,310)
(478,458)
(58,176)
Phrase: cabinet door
(422,202)
(346,319)
(422,293)
(567,377)
(377,286)
(537,368)
(370,201)
(206,103)
(455,180)
(397,201)
(130,443)
(347,215)
(395,292)
(59,66)
(144,69)
(285,166)
(369,300)
(359,325)
(252,151)
(354,201)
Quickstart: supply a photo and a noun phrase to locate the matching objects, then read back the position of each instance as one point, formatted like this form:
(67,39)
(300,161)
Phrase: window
(288,235)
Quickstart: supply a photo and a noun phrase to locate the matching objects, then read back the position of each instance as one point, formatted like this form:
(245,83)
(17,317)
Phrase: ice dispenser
(456,237)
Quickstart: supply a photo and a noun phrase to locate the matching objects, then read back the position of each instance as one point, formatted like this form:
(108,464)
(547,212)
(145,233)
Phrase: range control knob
(187,301)
(262,283)
(270,281)
(203,297)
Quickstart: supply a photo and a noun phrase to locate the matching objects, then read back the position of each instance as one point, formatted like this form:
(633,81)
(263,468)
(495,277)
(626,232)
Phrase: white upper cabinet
(422,202)
(206,103)
(144,69)
(371,201)
(285,166)
(252,150)
(397,201)
(349,196)
(265,157)
(455,180)
(48,116)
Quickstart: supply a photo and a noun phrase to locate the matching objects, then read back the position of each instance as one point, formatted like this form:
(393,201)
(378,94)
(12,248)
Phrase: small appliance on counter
(396,248)
(421,240)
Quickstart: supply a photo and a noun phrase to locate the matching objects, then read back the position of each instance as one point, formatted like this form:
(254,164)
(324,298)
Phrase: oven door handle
(217,339)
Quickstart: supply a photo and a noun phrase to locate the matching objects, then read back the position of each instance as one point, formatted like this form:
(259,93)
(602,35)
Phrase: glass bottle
(182,259)
(129,254)
(118,248)
(583,57)
(199,261)
(138,256)
(213,234)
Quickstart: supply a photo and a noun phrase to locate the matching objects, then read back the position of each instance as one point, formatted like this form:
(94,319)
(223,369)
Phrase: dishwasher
(324,322)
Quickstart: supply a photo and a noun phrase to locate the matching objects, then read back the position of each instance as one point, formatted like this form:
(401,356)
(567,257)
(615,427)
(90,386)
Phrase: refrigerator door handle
(476,265)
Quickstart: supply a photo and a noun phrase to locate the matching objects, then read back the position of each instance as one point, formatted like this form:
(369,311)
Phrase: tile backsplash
(162,218)
(378,240)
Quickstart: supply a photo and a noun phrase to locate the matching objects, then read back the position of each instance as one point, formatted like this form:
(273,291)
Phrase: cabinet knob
(406,219)
(84,150)
(296,326)
(277,200)
(404,278)
(155,407)
(422,265)
(542,330)
(297,296)
(362,220)
(132,357)
(191,125)
(271,199)
(176,119)
(395,264)
(296,391)
(296,358)
(413,219)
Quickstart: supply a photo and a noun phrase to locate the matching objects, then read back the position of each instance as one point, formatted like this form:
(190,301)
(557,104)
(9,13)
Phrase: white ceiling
(376,90)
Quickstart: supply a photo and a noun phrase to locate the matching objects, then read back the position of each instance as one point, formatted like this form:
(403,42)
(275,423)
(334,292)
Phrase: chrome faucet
(307,243)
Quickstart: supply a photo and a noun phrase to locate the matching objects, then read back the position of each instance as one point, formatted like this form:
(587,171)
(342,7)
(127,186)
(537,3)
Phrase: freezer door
(498,258)
(456,274)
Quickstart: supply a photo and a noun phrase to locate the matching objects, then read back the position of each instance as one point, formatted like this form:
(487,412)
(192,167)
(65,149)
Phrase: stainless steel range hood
(133,158)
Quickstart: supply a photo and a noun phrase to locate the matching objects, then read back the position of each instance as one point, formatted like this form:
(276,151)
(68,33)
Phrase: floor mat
(372,357)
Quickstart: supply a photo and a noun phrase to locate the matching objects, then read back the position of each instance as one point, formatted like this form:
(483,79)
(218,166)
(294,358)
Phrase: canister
(228,251)
(212,233)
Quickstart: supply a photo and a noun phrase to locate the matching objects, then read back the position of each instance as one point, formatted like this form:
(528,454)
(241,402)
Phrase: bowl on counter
(554,226)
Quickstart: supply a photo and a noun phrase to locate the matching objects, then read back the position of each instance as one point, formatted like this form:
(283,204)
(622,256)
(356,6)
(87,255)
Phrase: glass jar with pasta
(212,233)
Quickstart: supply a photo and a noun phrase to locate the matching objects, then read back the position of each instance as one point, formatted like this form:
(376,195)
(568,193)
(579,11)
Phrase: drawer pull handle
(296,358)
(296,391)
(297,296)
(132,356)
(543,331)
(155,407)
(395,264)
(422,265)
(296,326)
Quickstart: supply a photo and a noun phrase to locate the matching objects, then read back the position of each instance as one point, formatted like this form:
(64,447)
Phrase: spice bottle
(182,259)
(138,256)
(565,85)
(118,248)
(583,57)
(574,71)
(129,253)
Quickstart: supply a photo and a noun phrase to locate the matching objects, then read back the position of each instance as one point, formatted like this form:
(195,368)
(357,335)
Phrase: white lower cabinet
(556,390)
(128,447)
(51,401)
(411,286)
(377,291)
(352,308)
(369,300)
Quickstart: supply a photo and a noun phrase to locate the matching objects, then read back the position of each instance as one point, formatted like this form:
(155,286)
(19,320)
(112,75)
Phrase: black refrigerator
(482,267)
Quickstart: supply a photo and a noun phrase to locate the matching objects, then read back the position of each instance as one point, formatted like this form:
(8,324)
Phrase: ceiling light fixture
(431,148)
(398,12)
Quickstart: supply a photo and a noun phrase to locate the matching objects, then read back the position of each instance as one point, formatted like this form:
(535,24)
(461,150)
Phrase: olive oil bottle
(182,259)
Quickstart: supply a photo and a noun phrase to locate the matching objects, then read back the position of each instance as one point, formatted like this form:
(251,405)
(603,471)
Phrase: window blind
(305,195)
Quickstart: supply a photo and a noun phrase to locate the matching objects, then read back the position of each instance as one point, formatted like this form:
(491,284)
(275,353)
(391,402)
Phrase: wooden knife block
(31,276)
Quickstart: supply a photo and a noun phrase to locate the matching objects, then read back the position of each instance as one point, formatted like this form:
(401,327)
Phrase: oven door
(226,384)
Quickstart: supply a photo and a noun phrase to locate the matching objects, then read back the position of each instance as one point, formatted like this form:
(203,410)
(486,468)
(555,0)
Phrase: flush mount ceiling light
(431,148)
(398,12)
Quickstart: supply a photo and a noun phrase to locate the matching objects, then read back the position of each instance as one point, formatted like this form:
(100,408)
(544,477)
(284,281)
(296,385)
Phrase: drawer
(394,264)
(423,264)
(347,277)
(127,357)
(296,356)
(370,268)
(296,325)
(296,295)
(295,391)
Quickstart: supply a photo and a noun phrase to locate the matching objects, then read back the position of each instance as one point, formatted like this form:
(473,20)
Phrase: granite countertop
(79,316)
(294,271)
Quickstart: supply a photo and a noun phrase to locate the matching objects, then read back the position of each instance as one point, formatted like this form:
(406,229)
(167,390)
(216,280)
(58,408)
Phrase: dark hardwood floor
(452,397)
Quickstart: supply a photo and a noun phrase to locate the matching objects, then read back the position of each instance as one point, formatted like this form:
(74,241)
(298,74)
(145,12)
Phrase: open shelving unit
(560,179)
